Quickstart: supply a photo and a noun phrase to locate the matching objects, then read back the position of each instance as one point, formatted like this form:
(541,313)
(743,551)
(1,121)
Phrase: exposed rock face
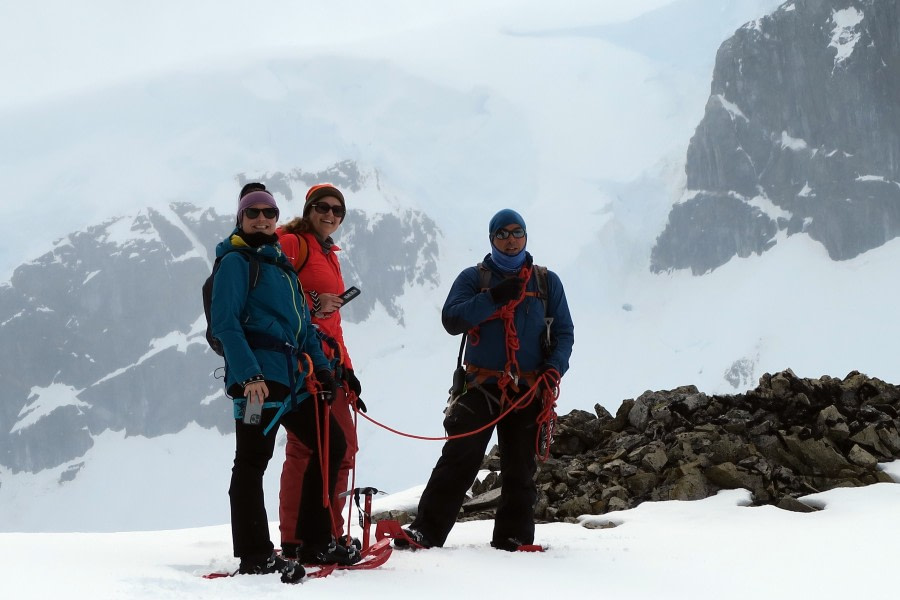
(801,135)
(786,438)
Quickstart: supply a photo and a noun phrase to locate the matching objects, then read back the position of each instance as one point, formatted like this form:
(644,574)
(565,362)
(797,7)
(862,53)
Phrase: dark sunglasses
(336,209)
(502,234)
(269,213)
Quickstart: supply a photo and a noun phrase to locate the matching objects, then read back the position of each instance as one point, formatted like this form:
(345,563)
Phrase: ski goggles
(269,213)
(336,209)
(502,234)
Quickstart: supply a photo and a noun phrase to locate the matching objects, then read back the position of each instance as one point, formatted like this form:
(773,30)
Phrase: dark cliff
(801,136)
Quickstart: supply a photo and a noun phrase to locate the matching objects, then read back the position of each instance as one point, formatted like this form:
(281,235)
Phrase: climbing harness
(262,341)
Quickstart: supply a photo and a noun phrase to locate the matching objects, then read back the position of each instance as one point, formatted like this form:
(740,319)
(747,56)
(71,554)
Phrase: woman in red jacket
(307,243)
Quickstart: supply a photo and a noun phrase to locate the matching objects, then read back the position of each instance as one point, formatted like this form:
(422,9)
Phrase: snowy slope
(709,549)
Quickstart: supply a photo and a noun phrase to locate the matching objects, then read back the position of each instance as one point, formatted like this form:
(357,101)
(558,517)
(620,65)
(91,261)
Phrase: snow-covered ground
(710,549)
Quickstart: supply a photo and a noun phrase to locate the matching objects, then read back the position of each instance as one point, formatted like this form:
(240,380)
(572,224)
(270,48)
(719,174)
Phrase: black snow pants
(461,460)
(249,522)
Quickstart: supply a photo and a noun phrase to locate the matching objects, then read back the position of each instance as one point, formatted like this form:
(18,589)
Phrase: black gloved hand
(507,290)
(352,382)
(327,385)
(356,387)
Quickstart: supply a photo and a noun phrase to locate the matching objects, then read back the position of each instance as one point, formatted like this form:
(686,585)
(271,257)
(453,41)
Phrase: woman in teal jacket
(264,330)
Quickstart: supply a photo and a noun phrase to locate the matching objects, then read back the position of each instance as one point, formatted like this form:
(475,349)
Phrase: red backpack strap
(302,252)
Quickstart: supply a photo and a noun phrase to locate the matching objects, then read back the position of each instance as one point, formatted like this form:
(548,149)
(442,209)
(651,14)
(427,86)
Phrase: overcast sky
(53,47)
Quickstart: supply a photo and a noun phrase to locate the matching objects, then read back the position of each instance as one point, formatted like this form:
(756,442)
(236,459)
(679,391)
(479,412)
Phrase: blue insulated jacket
(275,307)
(467,306)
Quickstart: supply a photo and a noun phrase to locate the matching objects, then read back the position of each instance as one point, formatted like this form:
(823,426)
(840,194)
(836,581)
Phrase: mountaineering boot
(414,539)
(508,544)
(330,553)
(291,571)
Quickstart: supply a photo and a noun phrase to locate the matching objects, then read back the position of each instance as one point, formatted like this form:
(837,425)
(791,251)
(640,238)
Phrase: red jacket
(321,273)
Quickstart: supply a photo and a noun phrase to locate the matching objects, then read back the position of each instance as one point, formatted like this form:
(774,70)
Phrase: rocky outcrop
(801,136)
(787,438)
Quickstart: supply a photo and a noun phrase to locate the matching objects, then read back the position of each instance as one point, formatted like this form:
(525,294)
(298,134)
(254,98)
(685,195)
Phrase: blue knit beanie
(504,218)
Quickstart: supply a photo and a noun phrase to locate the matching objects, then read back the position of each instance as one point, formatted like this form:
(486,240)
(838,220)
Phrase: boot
(291,571)
(416,539)
(330,553)
(508,544)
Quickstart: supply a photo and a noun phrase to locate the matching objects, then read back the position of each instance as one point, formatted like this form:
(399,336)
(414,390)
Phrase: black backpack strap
(254,268)
(485,274)
(543,285)
(540,274)
(253,261)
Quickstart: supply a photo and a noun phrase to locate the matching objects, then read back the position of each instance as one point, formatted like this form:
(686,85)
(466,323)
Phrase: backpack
(213,342)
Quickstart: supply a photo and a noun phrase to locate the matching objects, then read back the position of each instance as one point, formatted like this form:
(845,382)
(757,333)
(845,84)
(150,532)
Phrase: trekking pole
(365,514)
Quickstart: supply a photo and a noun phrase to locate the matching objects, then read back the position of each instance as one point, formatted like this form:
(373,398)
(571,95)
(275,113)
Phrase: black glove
(352,382)
(507,290)
(356,387)
(327,385)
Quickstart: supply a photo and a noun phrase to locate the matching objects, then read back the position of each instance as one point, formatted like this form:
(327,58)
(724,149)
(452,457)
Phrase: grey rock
(869,439)
(488,499)
(781,441)
(860,457)
(792,504)
(797,139)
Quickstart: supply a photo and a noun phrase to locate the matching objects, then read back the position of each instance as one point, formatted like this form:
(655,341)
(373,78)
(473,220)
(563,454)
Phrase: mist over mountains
(101,337)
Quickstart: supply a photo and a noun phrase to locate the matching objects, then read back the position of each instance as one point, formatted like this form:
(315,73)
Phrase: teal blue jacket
(275,307)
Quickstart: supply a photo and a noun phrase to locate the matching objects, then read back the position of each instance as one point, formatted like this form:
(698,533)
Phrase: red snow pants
(297,457)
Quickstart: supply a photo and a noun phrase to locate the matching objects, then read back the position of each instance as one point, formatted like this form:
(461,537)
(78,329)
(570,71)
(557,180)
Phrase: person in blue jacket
(520,338)
(265,330)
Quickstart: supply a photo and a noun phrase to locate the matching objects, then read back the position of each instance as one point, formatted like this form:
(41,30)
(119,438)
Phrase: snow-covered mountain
(580,119)
(99,328)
